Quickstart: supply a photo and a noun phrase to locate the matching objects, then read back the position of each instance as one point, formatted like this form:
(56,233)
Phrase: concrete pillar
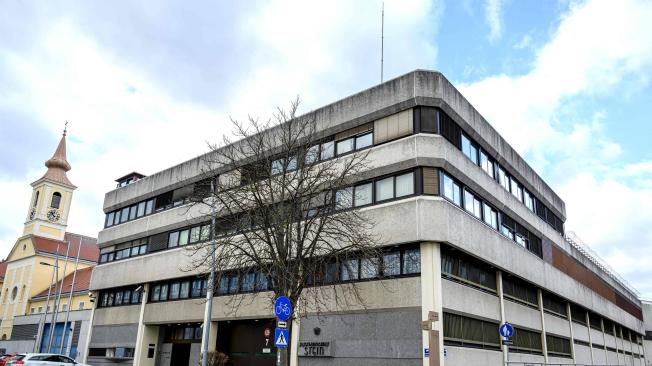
(431,296)
(95,296)
(544,341)
(569,315)
(294,341)
(604,342)
(588,325)
(212,337)
(140,352)
(148,340)
(501,302)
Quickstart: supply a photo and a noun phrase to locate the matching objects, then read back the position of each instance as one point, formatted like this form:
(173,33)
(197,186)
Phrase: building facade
(471,236)
(45,255)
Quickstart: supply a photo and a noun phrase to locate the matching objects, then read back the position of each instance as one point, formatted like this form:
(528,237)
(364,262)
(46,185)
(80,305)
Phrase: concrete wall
(107,336)
(461,356)
(373,338)
(464,299)
(17,346)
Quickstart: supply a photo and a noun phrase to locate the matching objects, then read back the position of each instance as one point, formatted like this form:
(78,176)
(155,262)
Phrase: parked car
(43,359)
(4,359)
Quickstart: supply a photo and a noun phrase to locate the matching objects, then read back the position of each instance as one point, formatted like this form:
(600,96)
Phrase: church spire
(58,165)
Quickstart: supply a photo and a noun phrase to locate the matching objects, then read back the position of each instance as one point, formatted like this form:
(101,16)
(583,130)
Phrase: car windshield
(18,357)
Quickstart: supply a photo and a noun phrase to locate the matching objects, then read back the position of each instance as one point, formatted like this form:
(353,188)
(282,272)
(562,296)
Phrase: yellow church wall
(39,306)
(17,279)
(50,231)
(22,249)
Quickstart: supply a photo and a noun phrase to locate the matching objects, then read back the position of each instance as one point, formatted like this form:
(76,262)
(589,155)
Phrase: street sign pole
(283,312)
(506,332)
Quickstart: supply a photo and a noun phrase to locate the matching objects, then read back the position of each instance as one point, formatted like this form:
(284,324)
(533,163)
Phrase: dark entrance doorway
(180,354)
(247,342)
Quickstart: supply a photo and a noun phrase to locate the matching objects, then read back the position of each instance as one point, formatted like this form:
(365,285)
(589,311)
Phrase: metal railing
(574,240)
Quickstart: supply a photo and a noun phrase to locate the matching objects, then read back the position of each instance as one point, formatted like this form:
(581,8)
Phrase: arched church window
(56,200)
(36,198)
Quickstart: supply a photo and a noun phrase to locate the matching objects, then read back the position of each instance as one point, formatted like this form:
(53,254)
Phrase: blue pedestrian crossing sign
(506,330)
(281,337)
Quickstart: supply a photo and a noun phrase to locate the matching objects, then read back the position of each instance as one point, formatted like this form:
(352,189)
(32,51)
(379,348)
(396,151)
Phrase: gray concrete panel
(560,360)
(557,325)
(580,332)
(525,358)
(116,315)
(23,346)
(582,355)
(465,299)
(522,316)
(394,334)
(461,356)
(101,361)
(106,336)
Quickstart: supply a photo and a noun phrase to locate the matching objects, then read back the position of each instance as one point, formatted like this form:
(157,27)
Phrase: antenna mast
(382,41)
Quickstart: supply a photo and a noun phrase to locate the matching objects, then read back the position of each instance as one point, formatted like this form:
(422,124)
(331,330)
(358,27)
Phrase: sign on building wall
(315,349)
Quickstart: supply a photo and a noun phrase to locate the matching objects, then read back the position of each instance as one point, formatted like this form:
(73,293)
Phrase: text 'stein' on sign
(315,349)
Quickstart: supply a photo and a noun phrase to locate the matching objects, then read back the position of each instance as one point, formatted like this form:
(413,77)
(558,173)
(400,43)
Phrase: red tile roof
(82,282)
(89,249)
(3,268)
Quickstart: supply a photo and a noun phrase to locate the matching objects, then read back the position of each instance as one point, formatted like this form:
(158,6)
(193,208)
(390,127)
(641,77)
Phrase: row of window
(465,269)
(189,288)
(595,321)
(461,196)
(112,352)
(190,333)
(126,250)
(507,181)
(63,308)
(379,190)
(161,202)
(606,348)
(323,151)
(189,235)
(465,331)
(370,192)
(120,296)
(392,263)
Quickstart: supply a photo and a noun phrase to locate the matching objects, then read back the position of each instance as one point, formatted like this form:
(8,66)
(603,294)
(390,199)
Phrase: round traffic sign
(506,330)
(283,308)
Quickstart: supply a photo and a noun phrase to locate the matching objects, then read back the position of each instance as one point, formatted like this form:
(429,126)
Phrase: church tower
(51,197)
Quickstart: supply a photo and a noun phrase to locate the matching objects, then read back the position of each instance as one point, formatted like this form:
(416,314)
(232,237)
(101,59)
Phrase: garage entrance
(247,342)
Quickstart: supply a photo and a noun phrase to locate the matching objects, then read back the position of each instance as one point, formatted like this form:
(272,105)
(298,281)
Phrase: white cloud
(493,13)
(535,112)
(124,119)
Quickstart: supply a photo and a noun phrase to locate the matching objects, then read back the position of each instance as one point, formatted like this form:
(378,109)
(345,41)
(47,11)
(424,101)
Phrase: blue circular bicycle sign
(283,308)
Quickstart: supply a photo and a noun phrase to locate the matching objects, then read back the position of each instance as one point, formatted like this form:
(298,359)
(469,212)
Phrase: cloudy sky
(146,84)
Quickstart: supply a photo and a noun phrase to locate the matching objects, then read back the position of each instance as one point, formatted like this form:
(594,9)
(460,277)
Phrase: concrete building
(647,338)
(472,236)
(31,268)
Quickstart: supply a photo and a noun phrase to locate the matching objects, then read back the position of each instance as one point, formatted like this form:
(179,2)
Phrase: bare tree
(282,207)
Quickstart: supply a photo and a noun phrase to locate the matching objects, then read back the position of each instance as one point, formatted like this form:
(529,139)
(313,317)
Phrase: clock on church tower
(51,197)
